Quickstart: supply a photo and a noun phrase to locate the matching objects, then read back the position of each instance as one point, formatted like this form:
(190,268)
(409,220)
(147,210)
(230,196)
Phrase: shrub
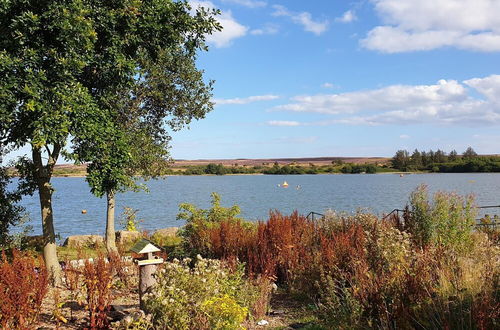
(185,297)
(23,285)
(199,222)
(98,275)
(224,312)
(448,221)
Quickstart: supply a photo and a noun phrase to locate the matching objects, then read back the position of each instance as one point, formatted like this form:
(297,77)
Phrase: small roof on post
(144,246)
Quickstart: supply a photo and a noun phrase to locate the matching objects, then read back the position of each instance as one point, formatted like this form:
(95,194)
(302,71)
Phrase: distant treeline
(440,161)
(285,169)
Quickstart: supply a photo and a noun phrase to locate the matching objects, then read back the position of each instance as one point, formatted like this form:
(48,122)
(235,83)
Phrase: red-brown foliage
(23,285)
(119,267)
(98,277)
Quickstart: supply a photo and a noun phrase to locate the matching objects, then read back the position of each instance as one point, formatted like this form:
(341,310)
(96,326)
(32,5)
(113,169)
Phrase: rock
(83,241)
(170,231)
(124,237)
(262,322)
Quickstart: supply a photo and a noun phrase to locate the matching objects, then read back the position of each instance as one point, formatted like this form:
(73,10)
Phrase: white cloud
(328,85)
(247,3)
(246,100)
(404,136)
(266,29)
(348,17)
(411,25)
(446,102)
(304,18)
(287,123)
(231,29)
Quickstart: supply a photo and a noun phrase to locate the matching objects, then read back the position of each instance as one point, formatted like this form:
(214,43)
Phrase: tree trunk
(42,177)
(110,223)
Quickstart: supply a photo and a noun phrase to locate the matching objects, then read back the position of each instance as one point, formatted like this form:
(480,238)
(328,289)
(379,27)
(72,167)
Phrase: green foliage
(337,306)
(109,76)
(11,213)
(447,221)
(142,86)
(198,220)
(217,169)
(187,298)
(129,219)
(439,161)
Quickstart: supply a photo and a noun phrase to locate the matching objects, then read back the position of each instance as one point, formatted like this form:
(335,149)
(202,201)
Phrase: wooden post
(146,280)
(147,267)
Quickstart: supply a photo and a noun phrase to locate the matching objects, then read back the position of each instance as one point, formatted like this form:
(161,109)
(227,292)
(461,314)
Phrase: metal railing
(311,215)
(400,212)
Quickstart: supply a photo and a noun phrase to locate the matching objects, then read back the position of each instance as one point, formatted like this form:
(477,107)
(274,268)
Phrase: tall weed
(97,277)
(23,285)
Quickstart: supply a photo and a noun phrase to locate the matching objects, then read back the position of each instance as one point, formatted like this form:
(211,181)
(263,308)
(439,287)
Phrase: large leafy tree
(84,70)
(144,89)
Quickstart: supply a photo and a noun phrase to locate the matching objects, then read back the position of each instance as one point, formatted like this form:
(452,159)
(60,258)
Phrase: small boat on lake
(285,184)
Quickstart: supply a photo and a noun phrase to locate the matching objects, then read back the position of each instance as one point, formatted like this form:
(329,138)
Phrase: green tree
(74,69)
(416,159)
(453,156)
(469,153)
(400,160)
(143,86)
(44,48)
(440,156)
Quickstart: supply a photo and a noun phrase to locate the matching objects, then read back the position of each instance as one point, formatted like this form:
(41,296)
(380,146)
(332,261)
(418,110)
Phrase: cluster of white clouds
(246,100)
(407,25)
(303,18)
(247,3)
(348,17)
(266,29)
(446,102)
(232,29)
(411,25)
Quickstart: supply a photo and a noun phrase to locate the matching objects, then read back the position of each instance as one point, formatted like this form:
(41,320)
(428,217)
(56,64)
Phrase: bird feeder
(147,265)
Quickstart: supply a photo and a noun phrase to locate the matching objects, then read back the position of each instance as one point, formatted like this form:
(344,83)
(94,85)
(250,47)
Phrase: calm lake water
(255,194)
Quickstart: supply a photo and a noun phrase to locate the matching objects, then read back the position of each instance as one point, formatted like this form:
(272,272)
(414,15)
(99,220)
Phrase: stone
(262,323)
(77,241)
(170,231)
(124,237)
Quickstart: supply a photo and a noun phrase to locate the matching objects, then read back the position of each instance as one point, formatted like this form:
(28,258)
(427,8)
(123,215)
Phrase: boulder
(124,237)
(77,241)
(170,231)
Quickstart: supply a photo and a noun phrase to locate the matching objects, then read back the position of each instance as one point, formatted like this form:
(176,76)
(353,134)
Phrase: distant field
(282,161)
(68,170)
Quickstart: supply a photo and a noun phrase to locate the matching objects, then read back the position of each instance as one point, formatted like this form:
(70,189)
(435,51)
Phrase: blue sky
(349,78)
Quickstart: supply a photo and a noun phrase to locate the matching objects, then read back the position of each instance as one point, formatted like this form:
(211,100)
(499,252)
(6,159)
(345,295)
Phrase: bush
(448,221)
(188,298)
(224,312)
(429,271)
(98,276)
(23,285)
(199,222)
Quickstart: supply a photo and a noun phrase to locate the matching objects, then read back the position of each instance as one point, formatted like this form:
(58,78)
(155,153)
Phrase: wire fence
(484,222)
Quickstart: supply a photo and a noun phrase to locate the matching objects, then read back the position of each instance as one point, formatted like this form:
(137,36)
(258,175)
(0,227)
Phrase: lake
(255,194)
